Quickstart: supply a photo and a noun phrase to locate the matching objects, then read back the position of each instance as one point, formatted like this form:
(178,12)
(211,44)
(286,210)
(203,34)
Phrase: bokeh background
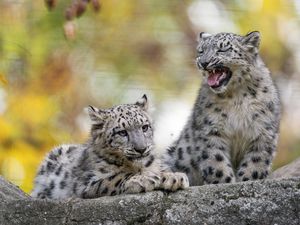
(128,48)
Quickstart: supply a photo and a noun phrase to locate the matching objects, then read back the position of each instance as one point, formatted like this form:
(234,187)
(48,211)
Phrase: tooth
(214,70)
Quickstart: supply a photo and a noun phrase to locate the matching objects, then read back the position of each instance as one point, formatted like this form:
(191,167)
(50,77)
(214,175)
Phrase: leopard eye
(221,50)
(122,133)
(224,49)
(200,52)
(145,128)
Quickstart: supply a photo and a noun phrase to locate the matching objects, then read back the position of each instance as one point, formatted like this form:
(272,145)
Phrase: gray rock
(9,191)
(288,171)
(261,202)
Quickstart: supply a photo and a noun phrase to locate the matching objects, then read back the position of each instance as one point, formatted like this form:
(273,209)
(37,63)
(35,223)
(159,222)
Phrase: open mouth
(218,76)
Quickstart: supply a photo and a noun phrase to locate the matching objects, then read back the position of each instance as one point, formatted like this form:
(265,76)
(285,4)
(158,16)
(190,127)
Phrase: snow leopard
(118,158)
(231,134)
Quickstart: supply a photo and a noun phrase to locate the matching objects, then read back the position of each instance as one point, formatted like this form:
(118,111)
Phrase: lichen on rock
(259,202)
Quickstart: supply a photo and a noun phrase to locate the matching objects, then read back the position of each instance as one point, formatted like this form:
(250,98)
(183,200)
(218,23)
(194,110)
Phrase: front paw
(174,181)
(251,174)
(138,186)
(143,183)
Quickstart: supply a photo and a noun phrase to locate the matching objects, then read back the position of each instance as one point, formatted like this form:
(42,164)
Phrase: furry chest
(240,129)
(240,122)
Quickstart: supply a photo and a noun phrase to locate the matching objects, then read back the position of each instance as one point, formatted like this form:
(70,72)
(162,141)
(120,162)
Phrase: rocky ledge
(261,202)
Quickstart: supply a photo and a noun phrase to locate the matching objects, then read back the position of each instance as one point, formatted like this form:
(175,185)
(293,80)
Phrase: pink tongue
(213,79)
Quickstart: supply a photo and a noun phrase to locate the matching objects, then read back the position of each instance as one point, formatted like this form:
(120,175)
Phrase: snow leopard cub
(118,158)
(232,132)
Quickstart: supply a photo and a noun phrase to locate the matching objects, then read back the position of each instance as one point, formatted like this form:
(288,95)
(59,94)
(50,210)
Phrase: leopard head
(124,130)
(224,56)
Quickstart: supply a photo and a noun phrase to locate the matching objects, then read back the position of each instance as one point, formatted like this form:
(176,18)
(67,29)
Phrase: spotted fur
(118,158)
(232,132)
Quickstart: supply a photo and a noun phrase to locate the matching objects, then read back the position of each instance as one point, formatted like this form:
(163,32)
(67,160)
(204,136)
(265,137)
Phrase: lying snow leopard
(232,132)
(117,159)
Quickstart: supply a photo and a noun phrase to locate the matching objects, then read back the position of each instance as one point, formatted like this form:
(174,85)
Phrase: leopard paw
(174,181)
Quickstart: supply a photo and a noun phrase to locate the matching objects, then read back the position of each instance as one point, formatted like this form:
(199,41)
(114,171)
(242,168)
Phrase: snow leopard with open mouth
(232,132)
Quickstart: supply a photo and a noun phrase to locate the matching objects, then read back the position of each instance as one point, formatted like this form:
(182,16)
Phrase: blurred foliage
(127,49)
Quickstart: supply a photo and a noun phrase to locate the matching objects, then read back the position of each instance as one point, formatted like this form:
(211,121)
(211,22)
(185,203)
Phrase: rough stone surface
(9,191)
(262,202)
(288,171)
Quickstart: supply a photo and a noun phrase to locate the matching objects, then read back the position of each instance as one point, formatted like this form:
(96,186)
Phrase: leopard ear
(252,41)
(203,36)
(143,103)
(96,115)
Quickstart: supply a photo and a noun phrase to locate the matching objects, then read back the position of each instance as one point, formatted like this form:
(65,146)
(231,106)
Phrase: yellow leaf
(7,129)
(34,109)
(3,79)
(19,164)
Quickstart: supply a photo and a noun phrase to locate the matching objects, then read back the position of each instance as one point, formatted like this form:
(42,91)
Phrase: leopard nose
(204,64)
(140,150)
